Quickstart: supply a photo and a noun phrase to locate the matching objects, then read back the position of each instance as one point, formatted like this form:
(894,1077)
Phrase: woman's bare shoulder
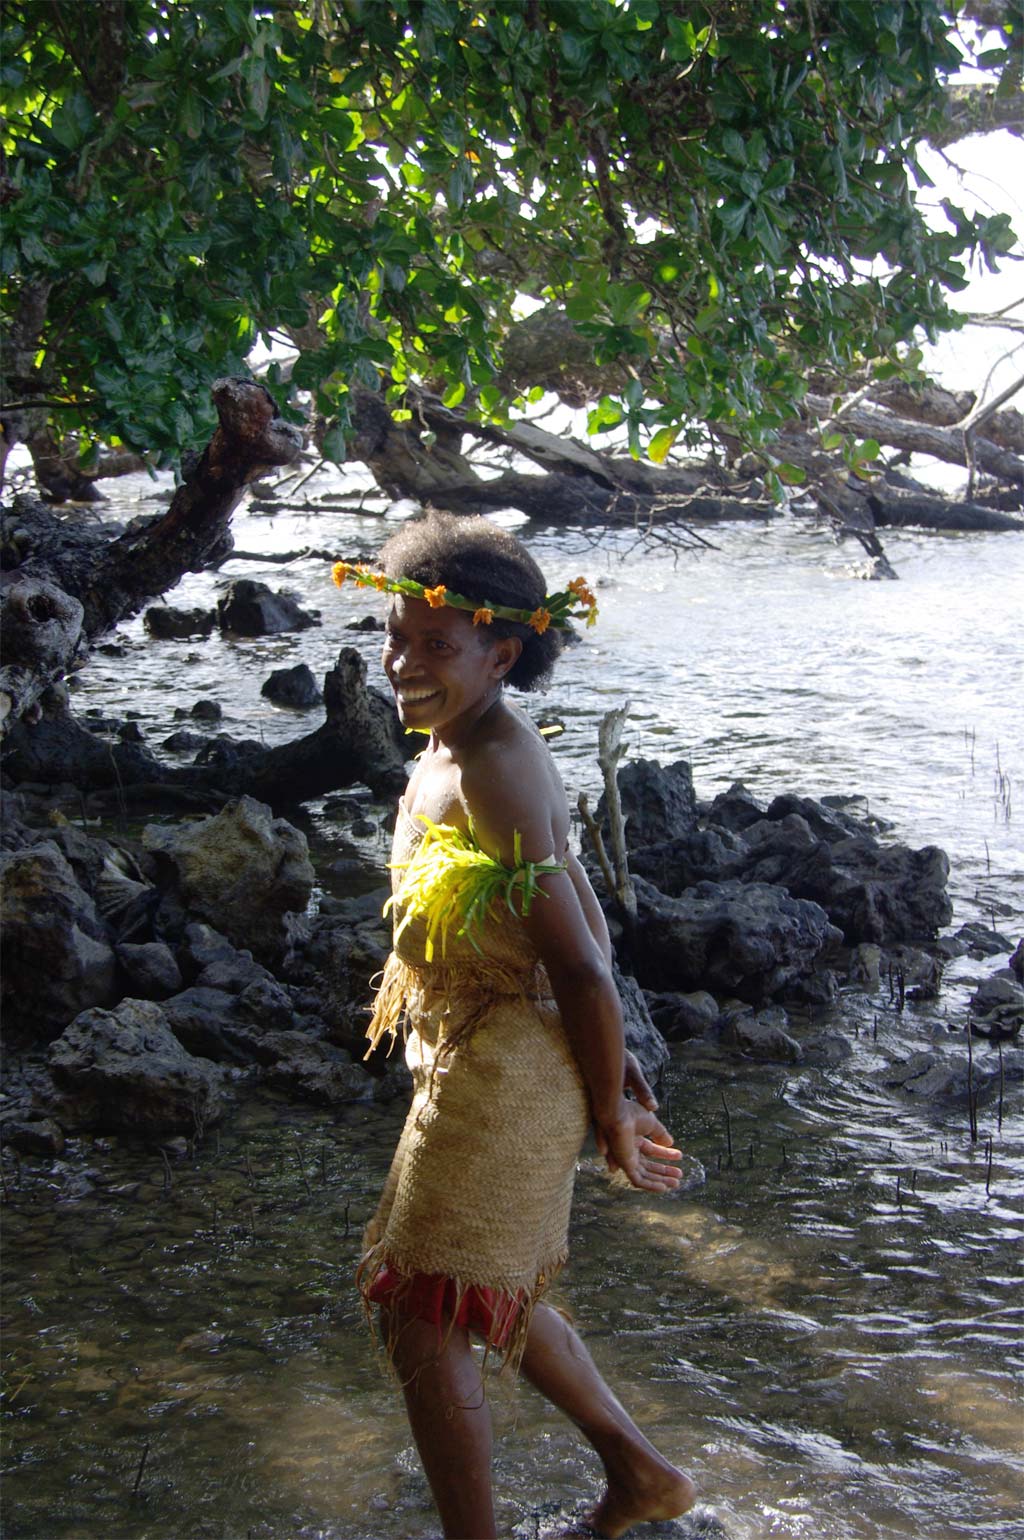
(510,785)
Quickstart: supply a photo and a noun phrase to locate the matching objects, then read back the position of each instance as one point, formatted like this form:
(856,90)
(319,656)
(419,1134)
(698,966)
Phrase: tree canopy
(704,201)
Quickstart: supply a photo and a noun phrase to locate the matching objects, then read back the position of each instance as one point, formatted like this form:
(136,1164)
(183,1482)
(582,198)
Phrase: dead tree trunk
(63,593)
(360,741)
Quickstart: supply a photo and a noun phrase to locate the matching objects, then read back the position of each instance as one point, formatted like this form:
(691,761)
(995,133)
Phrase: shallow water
(825,1334)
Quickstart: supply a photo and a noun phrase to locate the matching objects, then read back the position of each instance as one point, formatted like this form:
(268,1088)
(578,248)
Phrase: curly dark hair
(474,557)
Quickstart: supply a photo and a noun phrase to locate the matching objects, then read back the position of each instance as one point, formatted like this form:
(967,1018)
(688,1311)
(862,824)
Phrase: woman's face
(442,668)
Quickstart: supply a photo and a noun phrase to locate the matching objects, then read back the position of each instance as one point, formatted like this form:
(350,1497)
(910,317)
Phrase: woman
(501,980)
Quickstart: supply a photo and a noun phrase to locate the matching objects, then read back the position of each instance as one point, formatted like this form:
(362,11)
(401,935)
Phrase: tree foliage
(717,196)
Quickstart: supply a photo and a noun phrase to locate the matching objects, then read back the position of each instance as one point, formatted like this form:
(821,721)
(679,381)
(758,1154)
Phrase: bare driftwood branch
(610,750)
(596,839)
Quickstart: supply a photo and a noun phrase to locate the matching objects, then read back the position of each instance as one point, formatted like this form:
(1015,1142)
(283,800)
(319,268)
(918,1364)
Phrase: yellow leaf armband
(451,881)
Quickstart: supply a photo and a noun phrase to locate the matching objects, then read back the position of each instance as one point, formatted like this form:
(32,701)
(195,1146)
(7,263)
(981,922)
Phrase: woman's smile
(443,671)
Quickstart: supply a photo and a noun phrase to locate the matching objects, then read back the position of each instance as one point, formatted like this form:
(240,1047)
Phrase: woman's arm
(506,795)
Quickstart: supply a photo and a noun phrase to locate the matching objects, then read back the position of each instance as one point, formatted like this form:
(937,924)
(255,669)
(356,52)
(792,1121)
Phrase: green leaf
(661,443)
(792,475)
(335,445)
(454,395)
(830,441)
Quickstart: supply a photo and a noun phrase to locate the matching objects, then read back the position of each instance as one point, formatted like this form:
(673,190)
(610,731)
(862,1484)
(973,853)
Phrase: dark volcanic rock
(124,1071)
(705,855)
(981,941)
(758,1035)
(999,1002)
(735,809)
(317,1071)
(150,968)
(744,939)
(681,1016)
(642,1036)
(164,622)
(251,609)
(872,892)
(658,802)
(293,687)
(33,1135)
(56,956)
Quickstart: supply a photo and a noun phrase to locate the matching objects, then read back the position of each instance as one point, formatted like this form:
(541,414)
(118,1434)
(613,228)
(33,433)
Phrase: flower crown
(557,609)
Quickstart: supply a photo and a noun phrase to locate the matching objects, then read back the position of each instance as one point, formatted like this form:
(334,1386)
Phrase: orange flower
(540,620)
(580,587)
(339,572)
(483,616)
(435,596)
(379,581)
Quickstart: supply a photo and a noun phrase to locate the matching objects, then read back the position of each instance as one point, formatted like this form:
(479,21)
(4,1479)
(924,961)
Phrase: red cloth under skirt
(433,1297)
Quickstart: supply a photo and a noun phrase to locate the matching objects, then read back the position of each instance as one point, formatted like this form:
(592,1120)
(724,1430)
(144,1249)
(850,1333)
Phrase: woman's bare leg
(642,1485)
(450,1421)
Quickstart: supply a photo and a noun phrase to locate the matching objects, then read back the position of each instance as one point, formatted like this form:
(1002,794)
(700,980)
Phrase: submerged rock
(998,1003)
(293,687)
(124,1071)
(249,608)
(243,869)
(760,1035)
(164,622)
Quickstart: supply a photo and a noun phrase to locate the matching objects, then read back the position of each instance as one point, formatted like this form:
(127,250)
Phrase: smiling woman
(514,1034)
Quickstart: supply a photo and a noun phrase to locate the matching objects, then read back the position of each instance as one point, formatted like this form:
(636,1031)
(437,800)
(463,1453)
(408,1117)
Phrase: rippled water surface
(826,1333)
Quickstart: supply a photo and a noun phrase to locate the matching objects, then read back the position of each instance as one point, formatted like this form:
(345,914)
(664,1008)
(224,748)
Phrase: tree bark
(112,582)
(922,438)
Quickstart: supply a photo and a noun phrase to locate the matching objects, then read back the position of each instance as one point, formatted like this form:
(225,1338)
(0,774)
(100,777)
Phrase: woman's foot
(647,1490)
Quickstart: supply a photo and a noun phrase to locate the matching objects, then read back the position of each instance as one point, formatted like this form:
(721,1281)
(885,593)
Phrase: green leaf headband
(557,609)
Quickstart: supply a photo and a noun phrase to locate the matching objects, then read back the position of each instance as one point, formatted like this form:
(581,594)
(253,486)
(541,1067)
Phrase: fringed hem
(389,1010)
(510,1309)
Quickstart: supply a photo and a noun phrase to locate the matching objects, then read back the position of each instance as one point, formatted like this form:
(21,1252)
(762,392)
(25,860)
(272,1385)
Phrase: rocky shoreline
(150,982)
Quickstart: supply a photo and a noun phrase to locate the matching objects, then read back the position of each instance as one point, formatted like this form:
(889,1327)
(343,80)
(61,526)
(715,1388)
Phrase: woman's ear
(507,652)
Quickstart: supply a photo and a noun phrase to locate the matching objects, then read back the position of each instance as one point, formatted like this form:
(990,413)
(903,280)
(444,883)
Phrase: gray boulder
(750,940)
(249,608)
(681,1016)
(642,1036)
(982,941)
(760,1035)
(998,1003)
(124,1071)
(57,960)
(243,869)
(202,1020)
(295,687)
(150,969)
(33,1135)
(165,622)
(317,1071)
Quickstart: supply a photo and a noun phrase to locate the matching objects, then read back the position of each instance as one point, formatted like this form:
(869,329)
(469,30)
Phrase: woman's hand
(634,1080)
(636,1143)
